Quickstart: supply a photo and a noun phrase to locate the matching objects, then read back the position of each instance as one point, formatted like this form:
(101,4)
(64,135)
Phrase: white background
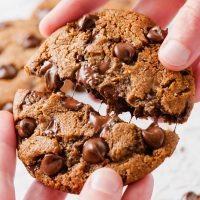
(176,176)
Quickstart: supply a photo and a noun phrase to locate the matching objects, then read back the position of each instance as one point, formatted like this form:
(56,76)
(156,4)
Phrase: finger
(66,11)
(142,189)
(103,184)
(182,45)
(41,192)
(7,156)
(161,12)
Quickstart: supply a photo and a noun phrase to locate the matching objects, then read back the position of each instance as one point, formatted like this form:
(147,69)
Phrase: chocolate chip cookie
(19,40)
(44,8)
(62,141)
(114,54)
(191,196)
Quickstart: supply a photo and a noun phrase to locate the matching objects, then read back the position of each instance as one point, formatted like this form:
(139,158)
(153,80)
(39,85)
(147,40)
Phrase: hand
(181,47)
(103,184)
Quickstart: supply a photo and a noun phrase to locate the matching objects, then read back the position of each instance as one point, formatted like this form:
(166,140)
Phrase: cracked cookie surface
(62,141)
(113,54)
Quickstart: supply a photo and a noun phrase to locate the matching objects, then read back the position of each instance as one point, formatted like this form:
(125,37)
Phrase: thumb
(182,45)
(103,184)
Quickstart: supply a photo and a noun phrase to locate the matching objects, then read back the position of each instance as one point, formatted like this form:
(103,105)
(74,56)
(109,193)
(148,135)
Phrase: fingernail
(106,181)
(174,53)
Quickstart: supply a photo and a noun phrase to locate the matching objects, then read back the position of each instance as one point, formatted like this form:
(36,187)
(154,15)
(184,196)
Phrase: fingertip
(149,180)
(170,67)
(45,28)
(5,114)
(174,56)
(7,131)
(39,191)
(108,173)
(104,183)
(143,188)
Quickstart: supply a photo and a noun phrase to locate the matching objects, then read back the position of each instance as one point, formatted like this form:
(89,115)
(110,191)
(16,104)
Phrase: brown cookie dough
(62,141)
(114,55)
(19,41)
(191,196)
(44,8)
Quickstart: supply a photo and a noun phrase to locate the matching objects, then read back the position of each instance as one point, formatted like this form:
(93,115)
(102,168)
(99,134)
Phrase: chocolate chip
(79,58)
(190,196)
(51,164)
(103,67)
(185,72)
(33,97)
(52,79)
(98,121)
(4,25)
(88,75)
(94,150)
(109,125)
(108,91)
(154,136)
(156,34)
(125,52)
(45,67)
(8,107)
(52,128)
(31,41)
(79,88)
(72,104)
(87,22)
(7,71)
(26,127)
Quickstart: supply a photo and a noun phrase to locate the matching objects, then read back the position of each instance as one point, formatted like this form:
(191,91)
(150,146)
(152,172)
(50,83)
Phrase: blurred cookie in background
(8,87)
(18,42)
(43,8)
(47,5)
(119,4)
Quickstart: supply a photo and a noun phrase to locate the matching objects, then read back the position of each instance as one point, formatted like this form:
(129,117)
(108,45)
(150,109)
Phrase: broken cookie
(114,55)
(62,141)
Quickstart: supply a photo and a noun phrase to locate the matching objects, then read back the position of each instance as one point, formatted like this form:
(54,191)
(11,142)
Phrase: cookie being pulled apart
(62,141)
(114,55)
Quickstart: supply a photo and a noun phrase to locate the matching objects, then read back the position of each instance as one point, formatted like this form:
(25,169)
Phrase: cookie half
(114,54)
(62,141)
